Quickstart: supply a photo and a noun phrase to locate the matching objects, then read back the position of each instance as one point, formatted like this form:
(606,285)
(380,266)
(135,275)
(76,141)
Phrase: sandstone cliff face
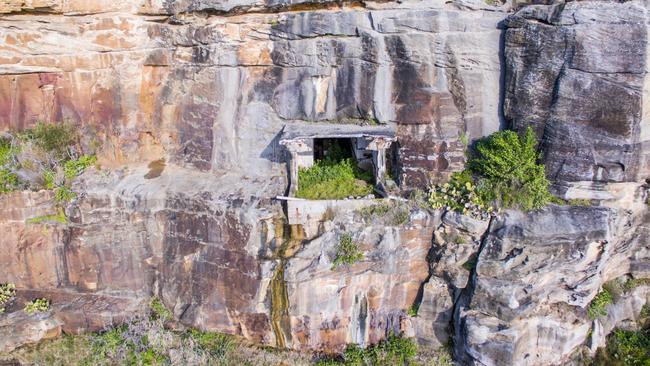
(209,85)
(211,92)
(578,74)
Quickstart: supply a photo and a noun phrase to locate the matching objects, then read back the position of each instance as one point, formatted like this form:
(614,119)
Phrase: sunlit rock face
(209,85)
(212,92)
(578,74)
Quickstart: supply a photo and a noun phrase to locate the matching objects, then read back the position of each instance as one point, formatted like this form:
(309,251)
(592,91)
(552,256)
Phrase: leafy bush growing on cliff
(503,171)
(347,252)
(510,175)
(7,293)
(598,305)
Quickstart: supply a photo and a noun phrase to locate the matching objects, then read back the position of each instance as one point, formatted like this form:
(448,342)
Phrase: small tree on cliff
(508,170)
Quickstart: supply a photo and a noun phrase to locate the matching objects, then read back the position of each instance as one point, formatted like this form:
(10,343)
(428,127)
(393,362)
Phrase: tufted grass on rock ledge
(598,305)
(347,252)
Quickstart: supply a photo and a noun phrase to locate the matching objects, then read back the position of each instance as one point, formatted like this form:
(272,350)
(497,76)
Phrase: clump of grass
(375,211)
(334,177)
(633,283)
(394,350)
(347,252)
(470,263)
(75,167)
(413,310)
(7,294)
(159,311)
(37,306)
(218,345)
(389,214)
(58,217)
(598,306)
(53,138)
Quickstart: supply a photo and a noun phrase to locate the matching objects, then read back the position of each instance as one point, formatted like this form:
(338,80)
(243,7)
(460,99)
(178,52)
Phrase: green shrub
(7,294)
(347,252)
(37,306)
(394,351)
(625,348)
(508,170)
(598,305)
(459,194)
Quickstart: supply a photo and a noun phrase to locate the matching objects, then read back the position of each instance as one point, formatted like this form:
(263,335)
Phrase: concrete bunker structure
(306,143)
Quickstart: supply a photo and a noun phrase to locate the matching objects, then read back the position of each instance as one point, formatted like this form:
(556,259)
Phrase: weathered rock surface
(208,86)
(212,92)
(535,276)
(578,74)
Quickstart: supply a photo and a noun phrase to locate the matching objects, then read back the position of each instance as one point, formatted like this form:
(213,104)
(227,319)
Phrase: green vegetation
(146,341)
(8,179)
(470,263)
(393,351)
(37,306)
(502,171)
(633,283)
(413,310)
(625,348)
(159,311)
(74,168)
(57,217)
(49,151)
(391,214)
(459,194)
(510,174)
(334,177)
(55,139)
(598,306)
(347,252)
(7,294)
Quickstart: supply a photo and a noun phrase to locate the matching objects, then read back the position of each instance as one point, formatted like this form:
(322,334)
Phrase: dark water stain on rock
(156,168)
